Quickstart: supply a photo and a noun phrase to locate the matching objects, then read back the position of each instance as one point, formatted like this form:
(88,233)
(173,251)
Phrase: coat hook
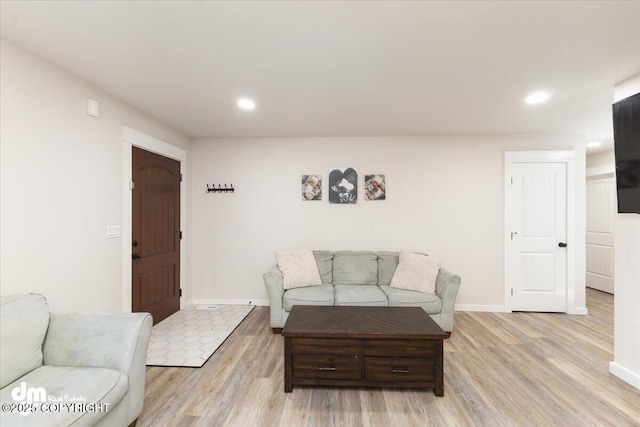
(228,188)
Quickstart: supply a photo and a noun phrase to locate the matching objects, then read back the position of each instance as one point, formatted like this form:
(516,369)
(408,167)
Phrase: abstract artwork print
(343,185)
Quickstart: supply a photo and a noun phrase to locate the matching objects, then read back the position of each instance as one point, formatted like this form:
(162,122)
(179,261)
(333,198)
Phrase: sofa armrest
(447,285)
(275,287)
(274,283)
(117,341)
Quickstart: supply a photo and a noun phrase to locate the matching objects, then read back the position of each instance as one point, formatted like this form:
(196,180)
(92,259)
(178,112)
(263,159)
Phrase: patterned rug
(189,337)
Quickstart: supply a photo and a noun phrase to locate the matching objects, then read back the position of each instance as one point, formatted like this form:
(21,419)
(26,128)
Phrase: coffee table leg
(288,366)
(438,390)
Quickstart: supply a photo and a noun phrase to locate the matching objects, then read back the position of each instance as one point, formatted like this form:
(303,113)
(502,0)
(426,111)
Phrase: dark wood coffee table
(363,346)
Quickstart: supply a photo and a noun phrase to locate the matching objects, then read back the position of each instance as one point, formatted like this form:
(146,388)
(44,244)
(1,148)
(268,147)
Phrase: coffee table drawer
(327,367)
(326,346)
(399,369)
(400,348)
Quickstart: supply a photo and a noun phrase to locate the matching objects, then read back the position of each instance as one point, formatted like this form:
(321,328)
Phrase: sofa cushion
(431,303)
(23,324)
(66,385)
(312,295)
(324,259)
(416,272)
(299,268)
(355,268)
(387,263)
(360,295)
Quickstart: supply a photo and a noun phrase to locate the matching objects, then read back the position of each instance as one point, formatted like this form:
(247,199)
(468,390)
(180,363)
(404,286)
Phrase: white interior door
(601,207)
(538,216)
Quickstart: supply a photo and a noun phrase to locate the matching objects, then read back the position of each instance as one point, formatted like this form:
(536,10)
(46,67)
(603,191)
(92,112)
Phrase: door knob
(136,256)
(562,245)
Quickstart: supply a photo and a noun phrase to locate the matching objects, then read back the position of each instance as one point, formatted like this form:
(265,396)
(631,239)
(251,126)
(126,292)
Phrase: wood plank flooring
(517,369)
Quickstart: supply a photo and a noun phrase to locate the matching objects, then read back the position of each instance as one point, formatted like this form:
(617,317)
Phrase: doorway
(538,252)
(601,209)
(133,138)
(155,234)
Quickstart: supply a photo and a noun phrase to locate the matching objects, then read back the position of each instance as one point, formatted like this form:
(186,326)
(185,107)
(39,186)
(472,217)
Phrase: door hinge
(180,177)
(511,180)
(181,235)
(132,185)
(180,291)
(511,291)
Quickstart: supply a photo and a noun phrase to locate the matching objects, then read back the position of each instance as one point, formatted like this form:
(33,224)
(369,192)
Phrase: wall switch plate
(113,231)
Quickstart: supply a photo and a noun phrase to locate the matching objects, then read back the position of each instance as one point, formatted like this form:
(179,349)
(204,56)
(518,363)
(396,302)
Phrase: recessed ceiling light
(594,144)
(537,98)
(246,104)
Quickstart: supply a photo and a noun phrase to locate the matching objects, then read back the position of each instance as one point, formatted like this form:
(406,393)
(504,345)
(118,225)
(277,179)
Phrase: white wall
(445,197)
(61,184)
(600,158)
(626,344)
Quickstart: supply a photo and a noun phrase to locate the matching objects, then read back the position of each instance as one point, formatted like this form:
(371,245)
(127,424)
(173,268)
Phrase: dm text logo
(28,395)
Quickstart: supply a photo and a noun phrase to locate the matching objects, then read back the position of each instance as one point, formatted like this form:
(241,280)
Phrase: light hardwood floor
(519,369)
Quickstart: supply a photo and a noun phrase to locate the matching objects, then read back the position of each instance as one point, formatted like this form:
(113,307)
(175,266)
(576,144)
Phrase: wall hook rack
(220,189)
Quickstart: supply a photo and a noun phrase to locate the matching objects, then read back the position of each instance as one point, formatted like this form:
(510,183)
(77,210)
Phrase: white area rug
(189,337)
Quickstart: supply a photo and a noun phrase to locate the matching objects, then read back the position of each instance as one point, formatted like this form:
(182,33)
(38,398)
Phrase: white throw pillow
(416,272)
(299,268)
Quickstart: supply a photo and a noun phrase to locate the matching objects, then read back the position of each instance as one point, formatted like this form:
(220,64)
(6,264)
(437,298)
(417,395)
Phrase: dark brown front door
(156,235)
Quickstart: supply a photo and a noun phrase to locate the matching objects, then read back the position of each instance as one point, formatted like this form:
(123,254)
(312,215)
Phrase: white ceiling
(366,68)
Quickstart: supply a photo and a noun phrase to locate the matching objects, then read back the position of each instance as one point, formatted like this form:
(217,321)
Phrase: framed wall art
(311,187)
(375,187)
(343,185)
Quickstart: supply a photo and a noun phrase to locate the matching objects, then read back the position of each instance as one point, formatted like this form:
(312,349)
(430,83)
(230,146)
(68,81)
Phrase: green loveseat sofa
(360,278)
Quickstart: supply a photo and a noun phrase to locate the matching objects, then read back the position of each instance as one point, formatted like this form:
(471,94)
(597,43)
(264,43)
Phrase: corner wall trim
(625,374)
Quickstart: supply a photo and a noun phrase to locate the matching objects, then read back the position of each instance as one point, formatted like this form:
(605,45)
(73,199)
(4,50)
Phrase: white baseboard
(478,307)
(500,308)
(258,302)
(582,311)
(265,302)
(625,374)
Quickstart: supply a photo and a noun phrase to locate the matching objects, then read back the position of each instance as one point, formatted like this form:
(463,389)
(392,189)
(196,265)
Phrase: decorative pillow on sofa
(416,272)
(299,268)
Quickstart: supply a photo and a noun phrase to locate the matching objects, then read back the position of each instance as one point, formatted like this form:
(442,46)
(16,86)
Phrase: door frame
(568,157)
(607,170)
(131,138)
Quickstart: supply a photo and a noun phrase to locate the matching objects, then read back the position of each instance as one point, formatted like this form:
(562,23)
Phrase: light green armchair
(70,369)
